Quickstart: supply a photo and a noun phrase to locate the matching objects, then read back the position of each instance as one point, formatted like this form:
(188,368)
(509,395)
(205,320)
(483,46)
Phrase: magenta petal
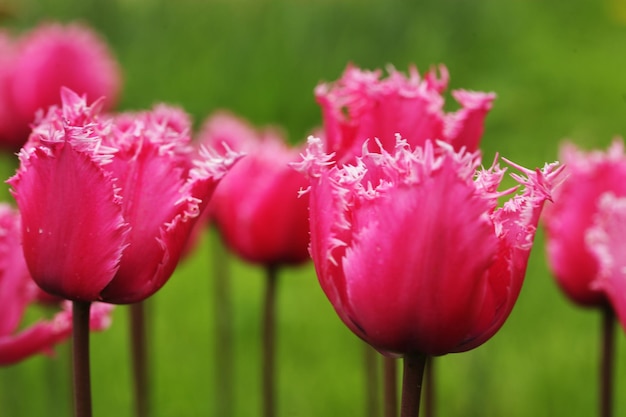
(413,249)
(39,338)
(465,127)
(607,242)
(72,225)
(17,289)
(151,185)
(54,56)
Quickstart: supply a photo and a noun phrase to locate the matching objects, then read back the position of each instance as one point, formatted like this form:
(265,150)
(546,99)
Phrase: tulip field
(505,81)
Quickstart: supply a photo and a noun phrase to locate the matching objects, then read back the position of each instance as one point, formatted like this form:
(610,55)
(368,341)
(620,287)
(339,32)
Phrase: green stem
(80,358)
(606,362)
(390,379)
(223,333)
(414,365)
(370,362)
(139,353)
(269,339)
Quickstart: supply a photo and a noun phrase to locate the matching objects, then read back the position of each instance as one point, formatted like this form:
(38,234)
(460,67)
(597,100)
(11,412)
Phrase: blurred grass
(557,68)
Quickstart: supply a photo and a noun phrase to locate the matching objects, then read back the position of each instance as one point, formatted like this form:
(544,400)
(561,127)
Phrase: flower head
(405,268)
(361,106)
(256,207)
(584,227)
(106,206)
(50,57)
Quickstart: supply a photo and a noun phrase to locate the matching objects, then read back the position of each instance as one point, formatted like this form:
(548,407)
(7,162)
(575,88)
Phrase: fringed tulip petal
(516,224)
(72,226)
(429,247)
(361,105)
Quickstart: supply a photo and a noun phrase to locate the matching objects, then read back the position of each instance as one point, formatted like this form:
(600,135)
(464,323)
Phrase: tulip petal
(464,128)
(416,247)
(72,225)
(516,224)
(38,338)
(151,185)
(606,242)
(17,289)
(43,335)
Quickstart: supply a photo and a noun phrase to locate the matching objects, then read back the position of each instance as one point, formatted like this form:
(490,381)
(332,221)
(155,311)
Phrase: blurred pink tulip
(49,57)
(12,135)
(107,208)
(585,227)
(411,247)
(256,207)
(361,106)
(18,291)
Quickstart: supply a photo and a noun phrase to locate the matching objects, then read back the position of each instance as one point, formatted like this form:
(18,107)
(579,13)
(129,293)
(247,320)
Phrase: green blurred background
(558,71)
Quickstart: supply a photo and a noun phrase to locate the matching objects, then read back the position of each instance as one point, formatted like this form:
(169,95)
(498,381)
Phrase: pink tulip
(361,106)
(50,57)
(256,207)
(583,227)
(10,127)
(107,209)
(18,291)
(411,247)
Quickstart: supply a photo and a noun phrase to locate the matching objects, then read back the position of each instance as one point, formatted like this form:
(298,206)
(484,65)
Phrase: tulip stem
(390,370)
(429,387)
(606,362)
(414,364)
(269,336)
(139,357)
(370,362)
(80,358)
(223,333)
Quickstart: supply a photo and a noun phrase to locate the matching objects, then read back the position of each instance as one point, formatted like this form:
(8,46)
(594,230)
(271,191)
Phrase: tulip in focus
(18,291)
(361,105)
(107,208)
(42,61)
(405,268)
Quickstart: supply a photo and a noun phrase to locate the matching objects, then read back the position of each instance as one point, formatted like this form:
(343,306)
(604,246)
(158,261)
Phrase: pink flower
(256,207)
(411,247)
(10,127)
(584,227)
(18,291)
(362,106)
(48,58)
(107,209)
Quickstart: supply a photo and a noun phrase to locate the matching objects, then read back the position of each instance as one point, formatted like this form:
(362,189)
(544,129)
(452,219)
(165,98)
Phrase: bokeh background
(558,71)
